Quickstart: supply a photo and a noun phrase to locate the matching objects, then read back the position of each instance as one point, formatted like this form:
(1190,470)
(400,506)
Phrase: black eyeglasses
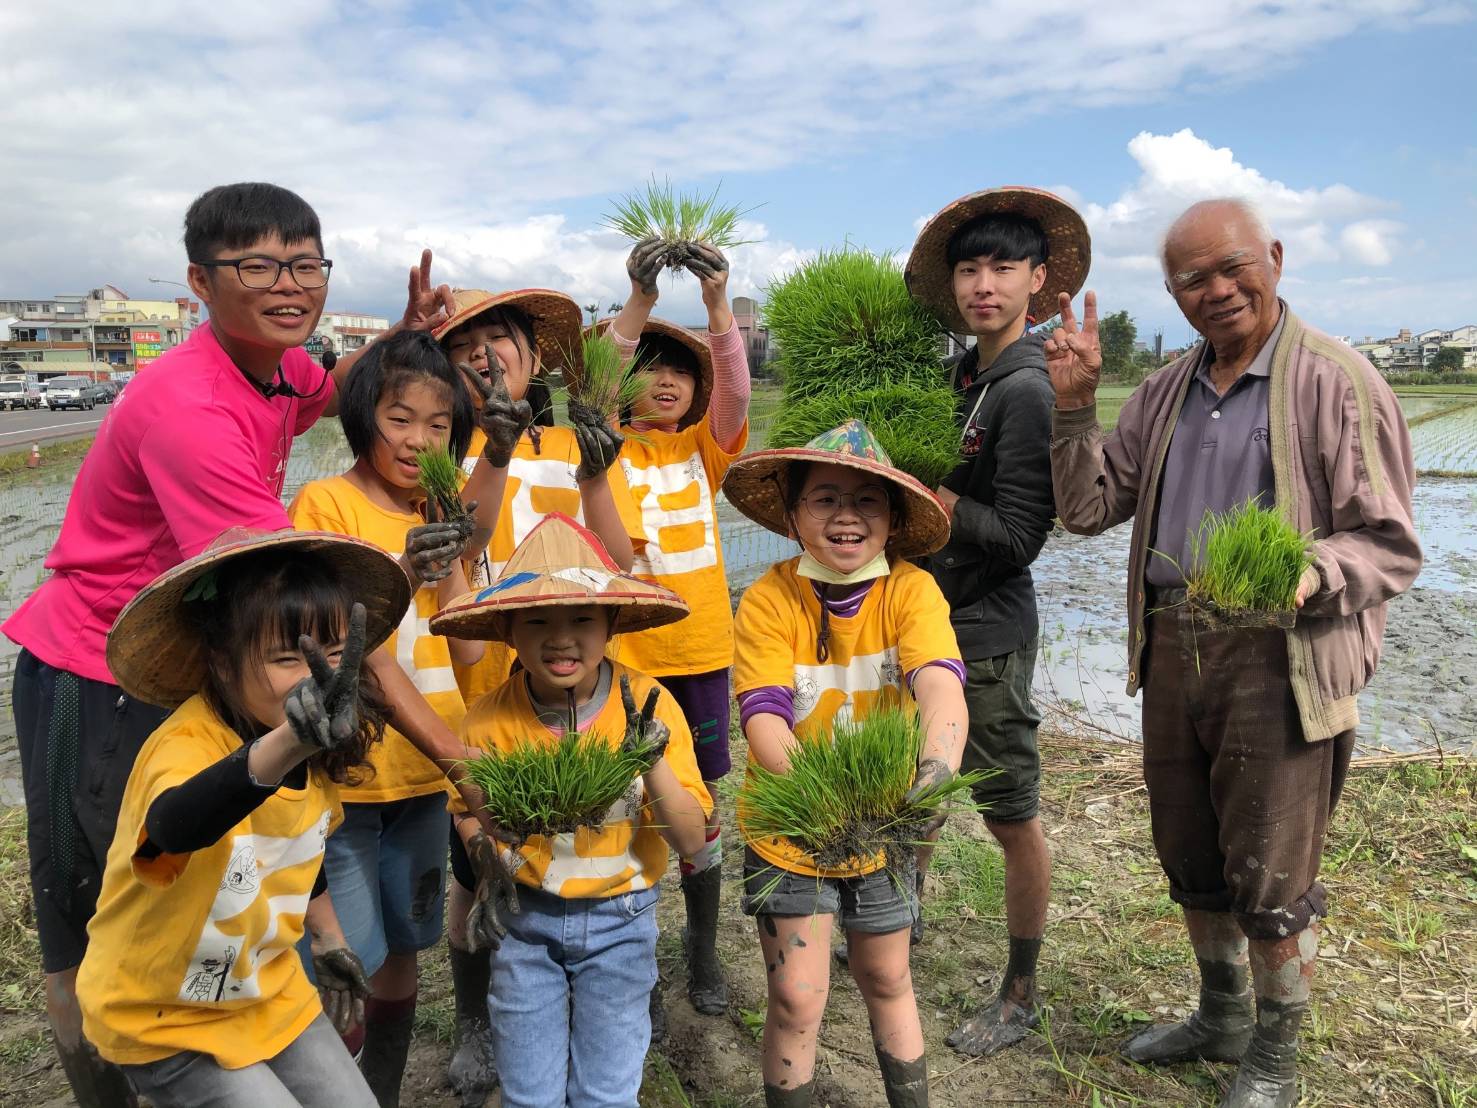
(258,272)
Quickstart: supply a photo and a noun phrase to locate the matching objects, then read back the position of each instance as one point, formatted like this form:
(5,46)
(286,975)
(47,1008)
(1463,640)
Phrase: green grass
(844,322)
(677,218)
(441,478)
(914,425)
(842,800)
(606,383)
(554,788)
(1250,559)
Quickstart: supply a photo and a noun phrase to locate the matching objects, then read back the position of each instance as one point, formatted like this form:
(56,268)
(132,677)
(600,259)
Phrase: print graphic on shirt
(676,516)
(566,864)
(414,626)
(243,931)
(536,487)
(865,673)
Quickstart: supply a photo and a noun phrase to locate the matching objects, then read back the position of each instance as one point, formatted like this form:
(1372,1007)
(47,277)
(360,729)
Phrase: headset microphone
(281,387)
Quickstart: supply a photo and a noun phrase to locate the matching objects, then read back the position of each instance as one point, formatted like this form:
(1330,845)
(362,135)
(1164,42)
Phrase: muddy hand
(323,708)
(645,264)
(932,772)
(502,419)
(645,734)
(427,306)
(342,986)
(1074,358)
(431,549)
(600,443)
(496,895)
(710,267)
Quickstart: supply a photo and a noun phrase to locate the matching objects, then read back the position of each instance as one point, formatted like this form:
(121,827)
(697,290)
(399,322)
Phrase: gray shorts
(878,904)
(1002,734)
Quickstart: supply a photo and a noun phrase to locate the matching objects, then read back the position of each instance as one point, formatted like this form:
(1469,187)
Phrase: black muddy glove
(496,895)
(323,709)
(342,986)
(600,443)
(431,549)
(645,735)
(932,772)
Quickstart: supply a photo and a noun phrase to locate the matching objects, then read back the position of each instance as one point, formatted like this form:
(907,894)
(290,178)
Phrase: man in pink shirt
(198,443)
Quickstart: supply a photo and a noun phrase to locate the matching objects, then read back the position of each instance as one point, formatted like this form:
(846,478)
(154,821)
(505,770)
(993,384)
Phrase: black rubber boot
(1268,1077)
(1218,1031)
(706,988)
(95,1083)
(471,1073)
(776,1097)
(906,1083)
(386,1046)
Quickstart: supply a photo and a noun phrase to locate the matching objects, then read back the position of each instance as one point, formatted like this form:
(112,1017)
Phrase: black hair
(268,598)
(386,368)
(1000,236)
(232,217)
(520,325)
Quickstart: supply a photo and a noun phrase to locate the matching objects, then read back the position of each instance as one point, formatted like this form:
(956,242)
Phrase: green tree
(1447,360)
(1117,335)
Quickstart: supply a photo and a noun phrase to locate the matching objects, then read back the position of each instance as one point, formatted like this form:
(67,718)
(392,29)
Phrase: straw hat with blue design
(756,485)
(559,563)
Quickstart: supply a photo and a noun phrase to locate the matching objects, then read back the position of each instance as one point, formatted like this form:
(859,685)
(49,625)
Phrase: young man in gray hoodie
(989,265)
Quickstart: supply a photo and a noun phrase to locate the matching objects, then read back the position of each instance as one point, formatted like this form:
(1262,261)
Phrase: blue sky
(496,134)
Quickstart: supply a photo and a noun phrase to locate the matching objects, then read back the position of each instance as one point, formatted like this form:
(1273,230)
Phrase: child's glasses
(869,501)
(261,273)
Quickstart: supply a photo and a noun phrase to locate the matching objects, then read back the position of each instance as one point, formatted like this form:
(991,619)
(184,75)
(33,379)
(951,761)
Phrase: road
(19,429)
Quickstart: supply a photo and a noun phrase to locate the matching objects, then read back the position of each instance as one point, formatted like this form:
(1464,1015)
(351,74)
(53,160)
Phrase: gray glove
(645,735)
(502,419)
(704,261)
(496,895)
(431,550)
(342,986)
(323,708)
(645,263)
(600,443)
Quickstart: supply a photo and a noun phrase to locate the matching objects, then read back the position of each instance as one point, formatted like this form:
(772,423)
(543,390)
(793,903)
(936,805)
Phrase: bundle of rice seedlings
(605,384)
(678,219)
(1249,561)
(842,800)
(554,788)
(844,322)
(441,478)
(914,425)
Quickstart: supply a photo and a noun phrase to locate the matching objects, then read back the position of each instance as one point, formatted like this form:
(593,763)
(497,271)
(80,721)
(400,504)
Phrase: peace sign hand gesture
(1074,358)
(502,419)
(427,306)
(645,735)
(323,709)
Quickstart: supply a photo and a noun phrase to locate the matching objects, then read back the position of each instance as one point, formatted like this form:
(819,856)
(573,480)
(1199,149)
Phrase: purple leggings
(703,698)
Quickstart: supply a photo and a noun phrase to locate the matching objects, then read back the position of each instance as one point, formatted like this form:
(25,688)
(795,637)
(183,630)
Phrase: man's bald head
(1222,265)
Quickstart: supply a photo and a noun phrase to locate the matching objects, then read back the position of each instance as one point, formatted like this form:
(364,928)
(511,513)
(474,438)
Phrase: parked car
(71,392)
(16,394)
(107,392)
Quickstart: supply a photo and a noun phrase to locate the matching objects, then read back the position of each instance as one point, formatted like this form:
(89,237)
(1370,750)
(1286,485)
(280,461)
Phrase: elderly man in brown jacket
(1247,732)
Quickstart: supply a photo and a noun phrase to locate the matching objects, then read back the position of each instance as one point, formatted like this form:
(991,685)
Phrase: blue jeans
(570,990)
(386,867)
(314,1071)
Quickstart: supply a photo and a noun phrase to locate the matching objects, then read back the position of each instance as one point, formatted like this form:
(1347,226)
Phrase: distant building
(751,326)
(109,325)
(343,332)
(1410,353)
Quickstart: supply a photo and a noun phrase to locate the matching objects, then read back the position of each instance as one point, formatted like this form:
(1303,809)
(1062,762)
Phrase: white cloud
(1371,241)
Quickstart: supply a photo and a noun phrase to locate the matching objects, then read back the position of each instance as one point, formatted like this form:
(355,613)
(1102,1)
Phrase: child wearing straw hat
(847,628)
(691,424)
(386,866)
(990,264)
(520,466)
(190,982)
(572,976)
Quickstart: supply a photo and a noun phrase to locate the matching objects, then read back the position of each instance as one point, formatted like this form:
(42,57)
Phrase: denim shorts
(386,867)
(571,986)
(875,904)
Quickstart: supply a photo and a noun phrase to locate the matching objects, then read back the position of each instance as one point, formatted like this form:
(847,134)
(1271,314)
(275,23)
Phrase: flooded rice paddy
(1419,696)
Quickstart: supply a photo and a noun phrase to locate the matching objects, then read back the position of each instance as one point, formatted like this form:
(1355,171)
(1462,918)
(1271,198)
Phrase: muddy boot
(1012,1015)
(706,988)
(1220,1029)
(1268,1077)
(658,1016)
(471,1073)
(906,1083)
(777,1097)
(95,1083)
(387,1027)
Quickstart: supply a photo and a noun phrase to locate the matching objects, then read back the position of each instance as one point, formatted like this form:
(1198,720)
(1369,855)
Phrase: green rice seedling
(441,478)
(554,788)
(914,425)
(678,219)
(1248,564)
(844,322)
(843,798)
(605,384)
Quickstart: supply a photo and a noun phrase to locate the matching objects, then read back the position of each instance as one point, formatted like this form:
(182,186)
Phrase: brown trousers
(1238,798)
